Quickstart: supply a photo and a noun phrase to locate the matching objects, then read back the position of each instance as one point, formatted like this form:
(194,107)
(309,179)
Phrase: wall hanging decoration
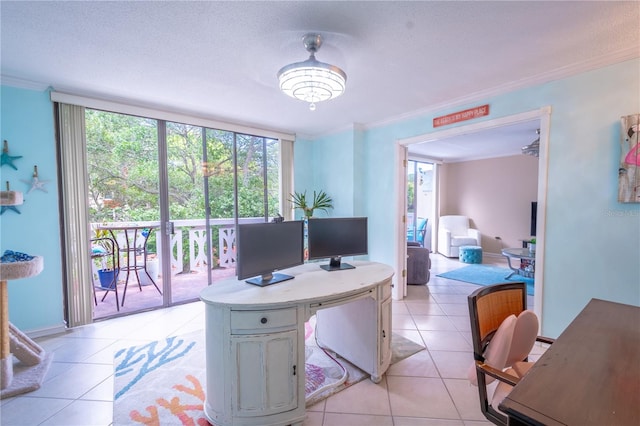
(35,182)
(629,169)
(9,200)
(6,158)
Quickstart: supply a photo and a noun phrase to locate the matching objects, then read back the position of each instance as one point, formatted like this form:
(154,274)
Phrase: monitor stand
(335,264)
(268,279)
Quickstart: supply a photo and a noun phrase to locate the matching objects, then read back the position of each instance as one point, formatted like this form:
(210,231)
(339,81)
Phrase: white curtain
(286,178)
(76,246)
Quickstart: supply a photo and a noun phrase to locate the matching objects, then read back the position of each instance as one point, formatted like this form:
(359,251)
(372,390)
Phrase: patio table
(132,233)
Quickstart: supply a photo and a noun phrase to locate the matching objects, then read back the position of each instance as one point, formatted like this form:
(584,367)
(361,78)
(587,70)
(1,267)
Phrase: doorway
(541,118)
(420,201)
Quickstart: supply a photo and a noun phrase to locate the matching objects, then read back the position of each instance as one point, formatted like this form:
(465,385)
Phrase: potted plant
(320,201)
(532,245)
(103,252)
(152,268)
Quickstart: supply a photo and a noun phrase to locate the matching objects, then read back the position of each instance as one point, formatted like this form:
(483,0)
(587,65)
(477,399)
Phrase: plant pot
(152,269)
(532,247)
(108,278)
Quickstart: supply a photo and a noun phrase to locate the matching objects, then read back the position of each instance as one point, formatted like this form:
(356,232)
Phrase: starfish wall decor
(5,208)
(9,200)
(35,182)
(7,159)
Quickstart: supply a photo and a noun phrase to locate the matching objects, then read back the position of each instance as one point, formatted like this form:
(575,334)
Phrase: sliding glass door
(217,179)
(420,202)
(124,211)
(171,195)
(188,257)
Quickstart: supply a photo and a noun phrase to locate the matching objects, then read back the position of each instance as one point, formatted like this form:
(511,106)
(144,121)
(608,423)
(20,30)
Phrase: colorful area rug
(486,275)
(163,382)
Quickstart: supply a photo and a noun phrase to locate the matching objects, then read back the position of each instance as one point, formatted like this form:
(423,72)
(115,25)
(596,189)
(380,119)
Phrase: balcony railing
(185,257)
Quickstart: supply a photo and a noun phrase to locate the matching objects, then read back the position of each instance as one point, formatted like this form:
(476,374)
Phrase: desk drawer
(268,319)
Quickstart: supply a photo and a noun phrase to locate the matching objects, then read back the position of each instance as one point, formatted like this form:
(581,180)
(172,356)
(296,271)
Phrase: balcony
(139,242)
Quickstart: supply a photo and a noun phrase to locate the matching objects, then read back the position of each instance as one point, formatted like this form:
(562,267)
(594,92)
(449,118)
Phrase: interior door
(399,291)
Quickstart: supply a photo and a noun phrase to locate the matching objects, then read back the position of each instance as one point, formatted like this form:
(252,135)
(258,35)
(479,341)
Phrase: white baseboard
(47,331)
(489,254)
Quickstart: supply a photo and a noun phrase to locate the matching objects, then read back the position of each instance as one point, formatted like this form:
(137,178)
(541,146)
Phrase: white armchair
(454,232)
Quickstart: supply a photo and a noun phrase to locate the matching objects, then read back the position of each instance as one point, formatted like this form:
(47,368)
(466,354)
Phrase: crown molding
(23,84)
(542,78)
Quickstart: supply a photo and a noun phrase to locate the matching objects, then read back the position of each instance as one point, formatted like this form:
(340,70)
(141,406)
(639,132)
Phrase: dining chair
(503,333)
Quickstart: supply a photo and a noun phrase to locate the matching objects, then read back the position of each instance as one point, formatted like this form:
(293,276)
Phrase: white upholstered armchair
(454,232)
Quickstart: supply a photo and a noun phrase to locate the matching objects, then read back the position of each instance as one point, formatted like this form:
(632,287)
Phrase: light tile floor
(428,388)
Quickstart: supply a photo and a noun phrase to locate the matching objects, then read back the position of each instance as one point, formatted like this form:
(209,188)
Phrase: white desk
(255,338)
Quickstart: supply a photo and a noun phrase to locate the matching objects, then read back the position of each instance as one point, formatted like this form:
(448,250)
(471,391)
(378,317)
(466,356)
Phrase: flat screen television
(336,237)
(264,248)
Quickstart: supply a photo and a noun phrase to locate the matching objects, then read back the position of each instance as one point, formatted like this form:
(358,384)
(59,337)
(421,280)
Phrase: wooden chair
(503,333)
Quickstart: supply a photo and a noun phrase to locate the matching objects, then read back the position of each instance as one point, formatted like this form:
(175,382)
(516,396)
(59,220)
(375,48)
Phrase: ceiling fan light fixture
(311,80)
(533,148)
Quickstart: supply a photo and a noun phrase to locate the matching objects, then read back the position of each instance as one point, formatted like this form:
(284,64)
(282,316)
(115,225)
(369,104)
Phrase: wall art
(629,168)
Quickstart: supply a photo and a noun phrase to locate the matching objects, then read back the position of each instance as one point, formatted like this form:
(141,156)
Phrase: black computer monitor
(267,247)
(336,237)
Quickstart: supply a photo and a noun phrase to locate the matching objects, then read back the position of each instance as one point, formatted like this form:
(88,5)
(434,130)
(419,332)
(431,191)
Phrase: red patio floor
(184,287)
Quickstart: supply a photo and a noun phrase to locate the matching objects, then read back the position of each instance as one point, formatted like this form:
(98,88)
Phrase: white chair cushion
(457,224)
(463,241)
(524,337)
(498,349)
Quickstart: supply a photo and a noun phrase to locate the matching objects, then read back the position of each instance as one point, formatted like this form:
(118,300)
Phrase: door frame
(544,115)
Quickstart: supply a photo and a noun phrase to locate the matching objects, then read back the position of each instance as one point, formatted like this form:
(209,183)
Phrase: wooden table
(589,376)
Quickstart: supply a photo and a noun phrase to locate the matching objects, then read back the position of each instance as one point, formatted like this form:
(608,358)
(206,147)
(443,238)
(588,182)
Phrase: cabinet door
(266,376)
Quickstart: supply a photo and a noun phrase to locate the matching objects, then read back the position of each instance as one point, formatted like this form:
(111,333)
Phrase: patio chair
(104,250)
(503,333)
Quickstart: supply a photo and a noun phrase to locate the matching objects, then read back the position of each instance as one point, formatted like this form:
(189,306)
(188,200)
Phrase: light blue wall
(36,303)
(328,165)
(592,241)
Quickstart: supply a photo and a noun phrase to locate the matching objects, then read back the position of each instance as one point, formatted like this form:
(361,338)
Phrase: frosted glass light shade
(311,80)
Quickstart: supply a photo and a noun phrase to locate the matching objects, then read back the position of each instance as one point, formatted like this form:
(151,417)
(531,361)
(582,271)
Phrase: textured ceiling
(219,59)
(495,142)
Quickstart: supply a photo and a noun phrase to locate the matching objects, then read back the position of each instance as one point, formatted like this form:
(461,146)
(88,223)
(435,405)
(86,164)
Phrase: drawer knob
(263,320)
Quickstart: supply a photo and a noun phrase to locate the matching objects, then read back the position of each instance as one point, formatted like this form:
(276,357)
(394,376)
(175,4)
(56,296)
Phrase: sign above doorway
(467,114)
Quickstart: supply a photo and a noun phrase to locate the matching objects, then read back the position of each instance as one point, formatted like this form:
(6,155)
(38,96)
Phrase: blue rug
(486,275)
